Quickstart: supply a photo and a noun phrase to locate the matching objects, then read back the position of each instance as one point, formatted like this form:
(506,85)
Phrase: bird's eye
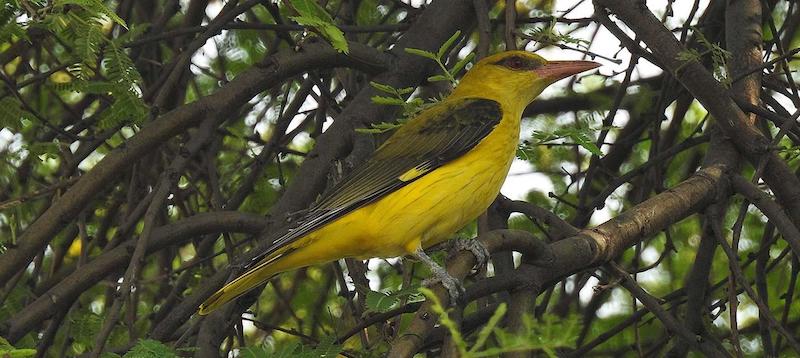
(514,63)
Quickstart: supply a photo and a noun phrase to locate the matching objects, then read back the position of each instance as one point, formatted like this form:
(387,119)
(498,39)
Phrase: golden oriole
(434,175)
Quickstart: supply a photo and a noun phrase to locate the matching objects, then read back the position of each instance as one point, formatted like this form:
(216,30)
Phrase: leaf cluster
(313,16)
(412,106)
(548,35)
(583,136)
(377,301)
(325,348)
(718,55)
(546,335)
(440,58)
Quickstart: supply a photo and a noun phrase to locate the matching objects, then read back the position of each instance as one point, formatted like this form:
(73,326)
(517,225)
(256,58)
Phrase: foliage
(548,35)
(439,58)
(719,57)
(325,348)
(7,350)
(148,348)
(551,333)
(413,105)
(377,301)
(314,16)
(580,134)
(410,107)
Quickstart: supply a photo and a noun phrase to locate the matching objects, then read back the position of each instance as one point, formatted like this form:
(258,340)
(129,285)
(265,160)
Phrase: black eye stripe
(518,63)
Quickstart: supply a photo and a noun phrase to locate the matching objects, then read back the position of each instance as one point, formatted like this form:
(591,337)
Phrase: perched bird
(434,175)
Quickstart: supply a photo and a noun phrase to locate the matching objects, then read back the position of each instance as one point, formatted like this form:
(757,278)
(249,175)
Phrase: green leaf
(380,302)
(93,87)
(367,13)
(416,102)
(7,350)
(43,150)
(547,334)
(314,16)
(423,53)
(326,348)
(584,141)
(405,90)
(327,30)
(447,44)
(133,33)
(336,37)
(11,30)
(127,108)
(287,351)
(120,68)
(378,128)
(387,101)
(461,64)
(11,113)
(95,6)
(149,348)
(436,78)
(17,353)
(383,88)
(310,8)
(688,55)
(263,352)
(84,328)
(548,35)
(444,319)
(487,329)
(81,71)
(87,47)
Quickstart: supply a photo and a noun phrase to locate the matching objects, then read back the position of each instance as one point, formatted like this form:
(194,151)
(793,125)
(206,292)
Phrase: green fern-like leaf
(9,28)
(84,327)
(127,108)
(148,348)
(81,71)
(314,16)
(11,113)
(120,67)
(12,30)
(95,7)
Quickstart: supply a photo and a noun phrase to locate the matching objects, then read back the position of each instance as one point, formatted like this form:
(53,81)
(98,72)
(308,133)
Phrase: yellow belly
(422,213)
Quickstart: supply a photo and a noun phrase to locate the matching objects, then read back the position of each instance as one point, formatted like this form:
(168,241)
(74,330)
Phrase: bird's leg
(475,247)
(440,275)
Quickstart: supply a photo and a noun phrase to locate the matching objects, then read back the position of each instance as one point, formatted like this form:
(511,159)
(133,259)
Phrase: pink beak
(556,70)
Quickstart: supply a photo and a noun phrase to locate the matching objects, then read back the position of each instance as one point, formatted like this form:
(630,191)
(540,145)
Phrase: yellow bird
(434,175)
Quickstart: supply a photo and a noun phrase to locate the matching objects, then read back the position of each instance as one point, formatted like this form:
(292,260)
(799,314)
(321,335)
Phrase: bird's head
(516,76)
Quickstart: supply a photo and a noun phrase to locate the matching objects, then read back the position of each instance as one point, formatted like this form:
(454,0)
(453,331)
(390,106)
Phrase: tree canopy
(147,146)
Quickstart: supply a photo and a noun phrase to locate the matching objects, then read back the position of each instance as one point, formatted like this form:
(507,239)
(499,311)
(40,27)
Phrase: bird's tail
(247,281)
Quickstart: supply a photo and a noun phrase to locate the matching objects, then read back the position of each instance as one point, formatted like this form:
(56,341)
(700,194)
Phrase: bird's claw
(453,286)
(477,248)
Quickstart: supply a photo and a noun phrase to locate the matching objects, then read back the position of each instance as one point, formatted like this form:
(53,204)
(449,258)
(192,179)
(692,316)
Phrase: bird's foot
(453,286)
(477,248)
